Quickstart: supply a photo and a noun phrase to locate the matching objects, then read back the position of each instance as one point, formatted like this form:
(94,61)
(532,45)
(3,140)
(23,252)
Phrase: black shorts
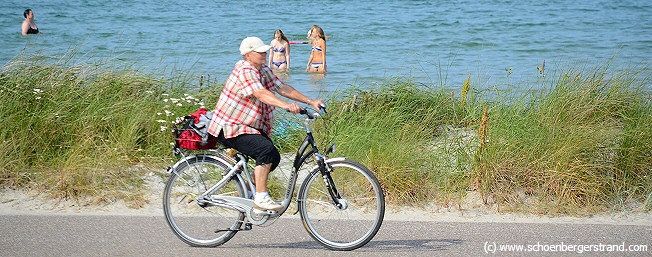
(257,146)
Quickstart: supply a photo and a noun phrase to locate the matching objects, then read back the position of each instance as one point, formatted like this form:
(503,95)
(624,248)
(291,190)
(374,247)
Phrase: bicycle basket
(192,132)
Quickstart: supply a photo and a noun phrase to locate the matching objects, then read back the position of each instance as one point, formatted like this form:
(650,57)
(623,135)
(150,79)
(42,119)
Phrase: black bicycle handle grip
(302,111)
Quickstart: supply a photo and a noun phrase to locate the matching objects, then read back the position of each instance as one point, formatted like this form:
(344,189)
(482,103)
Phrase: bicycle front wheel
(360,214)
(195,221)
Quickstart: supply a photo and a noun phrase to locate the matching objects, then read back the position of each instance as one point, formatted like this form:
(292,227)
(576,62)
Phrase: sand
(17,202)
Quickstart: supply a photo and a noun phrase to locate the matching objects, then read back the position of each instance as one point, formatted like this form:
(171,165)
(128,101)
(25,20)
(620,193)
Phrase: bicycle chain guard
(259,217)
(255,217)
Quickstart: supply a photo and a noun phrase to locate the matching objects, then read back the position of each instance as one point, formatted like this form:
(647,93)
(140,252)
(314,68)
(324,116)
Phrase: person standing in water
(317,60)
(29,27)
(279,57)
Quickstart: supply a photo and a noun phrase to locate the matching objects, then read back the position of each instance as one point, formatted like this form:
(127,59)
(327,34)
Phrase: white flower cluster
(38,93)
(186,99)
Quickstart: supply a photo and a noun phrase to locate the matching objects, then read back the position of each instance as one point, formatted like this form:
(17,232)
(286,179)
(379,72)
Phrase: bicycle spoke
(322,203)
(199,223)
(357,218)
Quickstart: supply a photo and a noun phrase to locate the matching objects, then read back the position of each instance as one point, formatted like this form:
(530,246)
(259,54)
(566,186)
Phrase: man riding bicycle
(244,114)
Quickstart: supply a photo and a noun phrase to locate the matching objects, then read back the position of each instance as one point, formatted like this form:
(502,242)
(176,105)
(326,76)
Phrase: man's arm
(289,92)
(270,98)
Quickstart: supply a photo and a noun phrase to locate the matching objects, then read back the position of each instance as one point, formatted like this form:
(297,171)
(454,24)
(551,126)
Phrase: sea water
(498,42)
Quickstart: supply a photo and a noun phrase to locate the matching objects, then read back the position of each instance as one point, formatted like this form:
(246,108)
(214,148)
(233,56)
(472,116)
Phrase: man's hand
(316,104)
(293,108)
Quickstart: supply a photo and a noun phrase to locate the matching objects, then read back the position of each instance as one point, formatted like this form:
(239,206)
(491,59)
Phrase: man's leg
(267,158)
(261,173)
(262,201)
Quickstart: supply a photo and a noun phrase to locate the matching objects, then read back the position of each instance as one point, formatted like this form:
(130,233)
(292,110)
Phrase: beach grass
(80,131)
(578,142)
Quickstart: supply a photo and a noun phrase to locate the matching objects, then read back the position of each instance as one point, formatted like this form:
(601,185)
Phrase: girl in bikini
(279,54)
(317,60)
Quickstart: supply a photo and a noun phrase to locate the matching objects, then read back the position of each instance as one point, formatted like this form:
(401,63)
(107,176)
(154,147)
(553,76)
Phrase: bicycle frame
(239,170)
(320,159)
(215,188)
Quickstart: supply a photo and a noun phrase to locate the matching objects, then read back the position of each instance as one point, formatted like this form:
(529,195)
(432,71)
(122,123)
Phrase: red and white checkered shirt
(237,111)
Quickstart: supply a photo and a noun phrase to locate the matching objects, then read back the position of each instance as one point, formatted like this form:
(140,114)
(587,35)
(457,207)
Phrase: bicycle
(208,196)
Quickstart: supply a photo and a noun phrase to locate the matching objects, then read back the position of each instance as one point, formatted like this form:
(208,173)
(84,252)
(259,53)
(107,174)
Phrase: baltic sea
(433,42)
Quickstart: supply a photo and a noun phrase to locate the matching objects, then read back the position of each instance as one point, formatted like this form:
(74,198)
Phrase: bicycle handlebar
(322,109)
(304,111)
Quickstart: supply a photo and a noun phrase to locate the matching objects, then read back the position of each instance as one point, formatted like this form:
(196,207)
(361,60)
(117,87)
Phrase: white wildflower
(37,92)
(161,121)
(163,128)
(179,104)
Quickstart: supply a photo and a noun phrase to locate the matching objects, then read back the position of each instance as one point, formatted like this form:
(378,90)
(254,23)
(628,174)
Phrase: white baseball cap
(253,44)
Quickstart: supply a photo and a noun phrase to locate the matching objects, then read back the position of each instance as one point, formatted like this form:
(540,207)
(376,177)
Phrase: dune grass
(393,130)
(78,131)
(580,144)
(577,143)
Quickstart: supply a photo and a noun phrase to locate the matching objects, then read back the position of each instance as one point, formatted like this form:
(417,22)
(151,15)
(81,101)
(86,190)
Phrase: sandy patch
(14,202)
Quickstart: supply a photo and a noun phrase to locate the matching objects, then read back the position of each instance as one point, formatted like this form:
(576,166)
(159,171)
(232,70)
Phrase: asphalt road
(106,235)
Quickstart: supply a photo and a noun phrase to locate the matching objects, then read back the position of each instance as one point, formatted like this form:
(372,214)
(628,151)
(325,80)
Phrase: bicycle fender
(198,156)
(335,159)
(327,161)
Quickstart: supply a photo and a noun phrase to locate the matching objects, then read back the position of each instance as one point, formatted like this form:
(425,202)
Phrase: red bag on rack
(192,132)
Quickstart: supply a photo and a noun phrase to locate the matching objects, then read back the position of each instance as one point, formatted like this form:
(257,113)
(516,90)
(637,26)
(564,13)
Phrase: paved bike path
(142,235)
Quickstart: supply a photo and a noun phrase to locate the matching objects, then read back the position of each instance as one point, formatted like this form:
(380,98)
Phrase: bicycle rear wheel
(195,221)
(359,218)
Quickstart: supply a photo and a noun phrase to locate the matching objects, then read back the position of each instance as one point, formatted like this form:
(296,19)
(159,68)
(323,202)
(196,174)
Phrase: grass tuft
(577,144)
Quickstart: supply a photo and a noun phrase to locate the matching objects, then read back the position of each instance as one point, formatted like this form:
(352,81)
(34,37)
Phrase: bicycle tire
(207,226)
(349,228)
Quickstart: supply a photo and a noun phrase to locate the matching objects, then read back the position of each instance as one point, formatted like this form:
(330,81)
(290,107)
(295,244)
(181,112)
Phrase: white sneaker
(267,204)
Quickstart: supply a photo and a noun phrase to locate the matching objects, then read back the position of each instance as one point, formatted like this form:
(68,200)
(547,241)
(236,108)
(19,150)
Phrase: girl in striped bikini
(279,54)
(317,60)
